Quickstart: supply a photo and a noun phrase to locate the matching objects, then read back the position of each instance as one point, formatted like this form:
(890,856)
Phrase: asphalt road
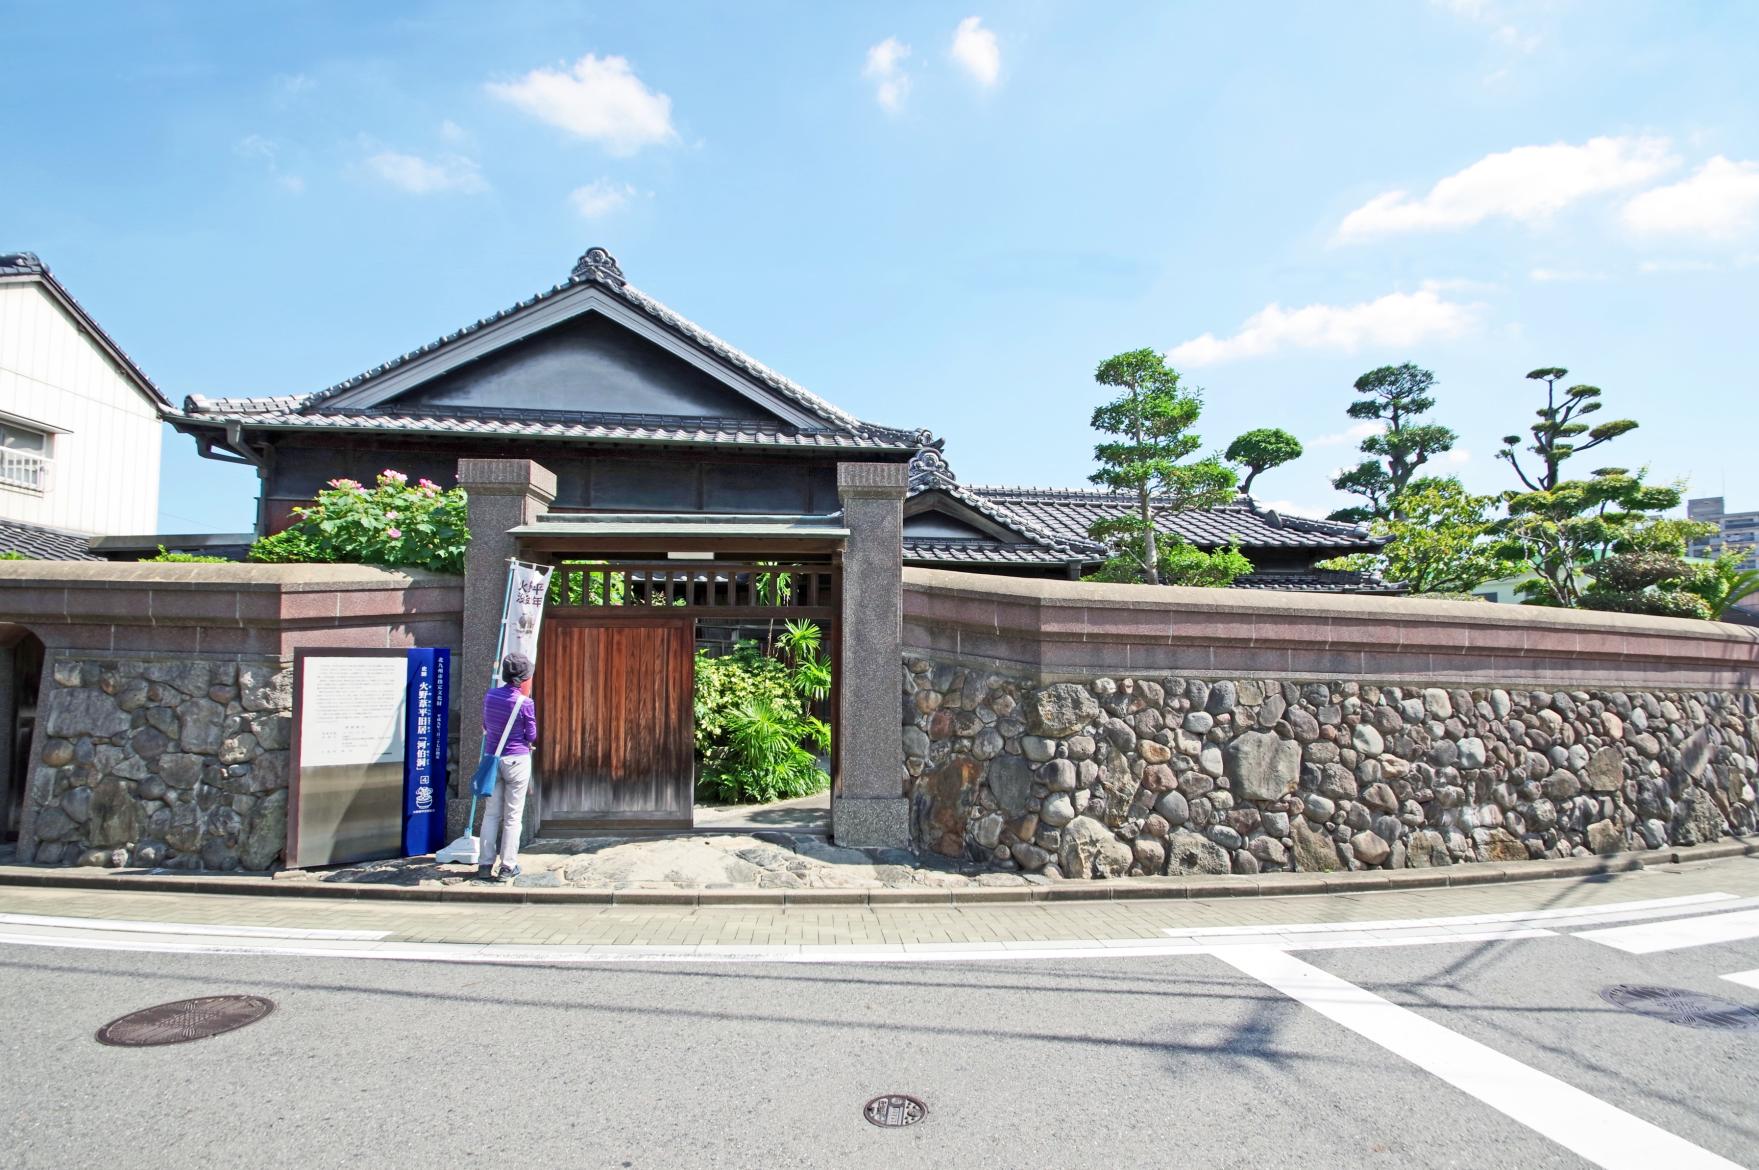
(1172,1061)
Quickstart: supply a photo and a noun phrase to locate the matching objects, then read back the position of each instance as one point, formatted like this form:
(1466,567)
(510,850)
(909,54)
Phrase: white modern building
(79,422)
(1735,531)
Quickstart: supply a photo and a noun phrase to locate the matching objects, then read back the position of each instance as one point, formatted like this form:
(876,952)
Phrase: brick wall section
(1077,730)
(1051,630)
(165,705)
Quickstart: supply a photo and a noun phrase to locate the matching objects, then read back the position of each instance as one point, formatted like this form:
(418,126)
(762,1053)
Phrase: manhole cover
(187,1019)
(894,1111)
(1679,1006)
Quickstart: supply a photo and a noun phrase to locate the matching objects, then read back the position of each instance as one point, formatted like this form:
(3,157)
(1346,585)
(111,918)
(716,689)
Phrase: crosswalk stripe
(1745,978)
(1580,1122)
(1649,937)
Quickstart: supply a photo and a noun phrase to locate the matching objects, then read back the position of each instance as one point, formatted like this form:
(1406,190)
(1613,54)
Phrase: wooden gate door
(616,722)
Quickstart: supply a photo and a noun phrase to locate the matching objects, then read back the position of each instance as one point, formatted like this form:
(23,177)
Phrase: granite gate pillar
(869,807)
(504,494)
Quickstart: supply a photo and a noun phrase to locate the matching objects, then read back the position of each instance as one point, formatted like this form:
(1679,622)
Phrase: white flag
(527,587)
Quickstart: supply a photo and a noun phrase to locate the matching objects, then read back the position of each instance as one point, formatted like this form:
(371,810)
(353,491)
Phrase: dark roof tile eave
(44,544)
(872,439)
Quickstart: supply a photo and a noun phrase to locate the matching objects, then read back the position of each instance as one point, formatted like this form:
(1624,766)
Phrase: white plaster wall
(106,473)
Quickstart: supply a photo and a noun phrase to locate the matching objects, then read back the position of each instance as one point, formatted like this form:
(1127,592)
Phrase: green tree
(1180,563)
(1260,450)
(1659,583)
(1439,543)
(1563,533)
(1558,428)
(1724,584)
(1152,419)
(1398,397)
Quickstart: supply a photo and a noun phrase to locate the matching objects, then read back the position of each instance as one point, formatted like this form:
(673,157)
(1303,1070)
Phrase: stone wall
(1084,730)
(164,712)
(1123,776)
(178,763)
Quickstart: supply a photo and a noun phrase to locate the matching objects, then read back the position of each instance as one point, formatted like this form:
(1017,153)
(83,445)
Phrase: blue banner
(424,758)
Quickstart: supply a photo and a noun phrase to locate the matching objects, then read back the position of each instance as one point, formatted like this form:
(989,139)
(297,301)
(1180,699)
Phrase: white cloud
(1526,183)
(453,132)
(1485,13)
(1351,435)
(1458,457)
(1677,266)
(600,198)
(420,176)
(600,99)
(255,146)
(289,87)
(976,51)
(885,68)
(1719,202)
(1394,321)
(1553,275)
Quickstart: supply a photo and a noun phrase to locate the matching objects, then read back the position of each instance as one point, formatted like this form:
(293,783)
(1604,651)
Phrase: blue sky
(933,215)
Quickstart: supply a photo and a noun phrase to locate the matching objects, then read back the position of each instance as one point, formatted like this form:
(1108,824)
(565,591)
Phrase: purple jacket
(497,706)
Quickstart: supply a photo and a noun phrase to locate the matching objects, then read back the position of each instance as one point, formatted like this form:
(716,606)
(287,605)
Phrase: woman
(507,711)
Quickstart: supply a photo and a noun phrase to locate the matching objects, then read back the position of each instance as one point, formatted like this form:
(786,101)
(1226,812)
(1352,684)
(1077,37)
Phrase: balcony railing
(24,469)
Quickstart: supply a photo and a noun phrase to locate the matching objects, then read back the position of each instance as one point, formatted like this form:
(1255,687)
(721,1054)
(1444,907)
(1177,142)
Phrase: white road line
(1745,978)
(1686,932)
(1619,910)
(1553,918)
(1578,1121)
(143,927)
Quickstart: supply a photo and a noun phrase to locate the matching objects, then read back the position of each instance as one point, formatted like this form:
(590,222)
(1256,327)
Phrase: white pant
(505,814)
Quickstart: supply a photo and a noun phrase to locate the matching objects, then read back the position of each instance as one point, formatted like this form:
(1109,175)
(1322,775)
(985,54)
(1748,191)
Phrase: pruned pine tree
(1261,449)
(1556,434)
(1397,397)
(1150,422)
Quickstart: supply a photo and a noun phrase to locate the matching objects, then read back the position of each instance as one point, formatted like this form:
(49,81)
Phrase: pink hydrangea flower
(390,515)
(393,476)
(427,485)
(344,483)
(394,533)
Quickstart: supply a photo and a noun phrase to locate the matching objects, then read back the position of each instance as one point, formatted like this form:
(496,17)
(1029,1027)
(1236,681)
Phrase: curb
(1122,890)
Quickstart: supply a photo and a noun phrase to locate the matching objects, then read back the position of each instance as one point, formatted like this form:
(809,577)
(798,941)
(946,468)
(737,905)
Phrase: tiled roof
(1319,581)
(20,264)
(988,552)
(541,424)
(43,544)
(1070,512)
(596,267)
(929,472)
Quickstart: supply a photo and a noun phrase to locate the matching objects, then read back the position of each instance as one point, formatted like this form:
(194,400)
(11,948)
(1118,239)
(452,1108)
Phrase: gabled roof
(1070,512)
(25,267)
(1034,544)
(596,280)
(44,544)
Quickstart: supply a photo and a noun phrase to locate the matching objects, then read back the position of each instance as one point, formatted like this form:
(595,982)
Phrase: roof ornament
(598,264)
(21,264)
(929,468)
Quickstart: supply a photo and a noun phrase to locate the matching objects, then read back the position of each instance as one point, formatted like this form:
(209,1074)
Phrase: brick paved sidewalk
(875,926)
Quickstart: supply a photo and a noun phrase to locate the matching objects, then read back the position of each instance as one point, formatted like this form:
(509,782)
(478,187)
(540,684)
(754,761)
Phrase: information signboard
(369,755)
(424,773)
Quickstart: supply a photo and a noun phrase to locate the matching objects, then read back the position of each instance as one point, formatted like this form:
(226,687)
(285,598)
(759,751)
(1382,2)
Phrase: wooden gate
(615,722)
(617,673)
